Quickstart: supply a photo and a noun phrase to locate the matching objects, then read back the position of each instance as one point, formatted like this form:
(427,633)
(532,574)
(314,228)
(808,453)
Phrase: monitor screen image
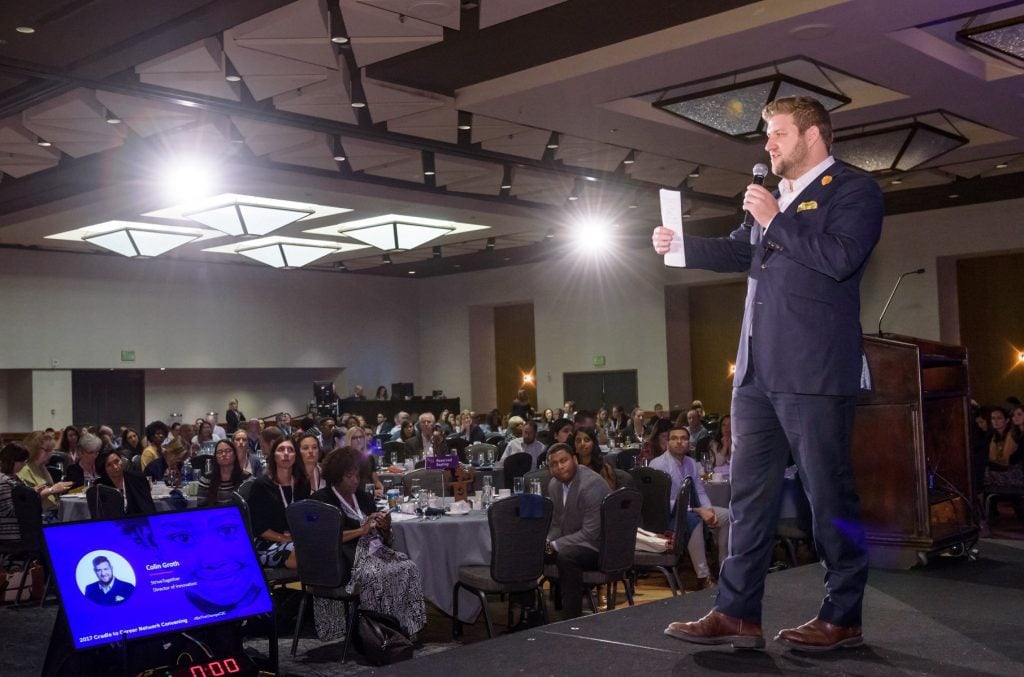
(169,572)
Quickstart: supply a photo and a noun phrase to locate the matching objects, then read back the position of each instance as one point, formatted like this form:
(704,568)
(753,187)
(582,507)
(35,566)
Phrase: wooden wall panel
(515,352)
(716,312)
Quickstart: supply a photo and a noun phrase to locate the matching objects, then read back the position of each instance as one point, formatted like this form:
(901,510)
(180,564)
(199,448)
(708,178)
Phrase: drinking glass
(517,485)
(489,457)
(394,458)
(369,488)
(535,485)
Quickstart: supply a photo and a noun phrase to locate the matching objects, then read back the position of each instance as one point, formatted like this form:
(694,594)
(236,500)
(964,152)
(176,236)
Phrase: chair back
(397,446)
(626,459)
(495,438)
(104,502)
(623,479)
(682,537)
(57,465)
(136,463)
(28,510)
(204,463)
(620,517)
(542,474)
(245,488)
(477,451)
(457,445)
(517,542)
(656,488)
(544,437)
(316,531)
(432,480)
(237,500)
(516,465)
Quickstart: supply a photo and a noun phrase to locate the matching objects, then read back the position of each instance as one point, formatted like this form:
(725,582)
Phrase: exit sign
(127,355)
(598,360)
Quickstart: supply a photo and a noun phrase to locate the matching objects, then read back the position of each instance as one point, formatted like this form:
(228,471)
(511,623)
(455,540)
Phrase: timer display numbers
(228,666)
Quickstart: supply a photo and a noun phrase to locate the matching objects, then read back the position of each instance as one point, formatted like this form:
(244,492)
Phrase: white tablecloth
(439,547)
(74,508)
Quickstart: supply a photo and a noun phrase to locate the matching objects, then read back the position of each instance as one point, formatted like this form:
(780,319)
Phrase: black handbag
(380,639)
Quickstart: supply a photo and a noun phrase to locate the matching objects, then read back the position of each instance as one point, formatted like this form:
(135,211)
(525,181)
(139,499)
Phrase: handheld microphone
(759,171)
(919,271)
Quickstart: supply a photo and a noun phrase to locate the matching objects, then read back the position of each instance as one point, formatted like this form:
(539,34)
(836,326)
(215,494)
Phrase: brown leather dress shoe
(818,636)
(717,628)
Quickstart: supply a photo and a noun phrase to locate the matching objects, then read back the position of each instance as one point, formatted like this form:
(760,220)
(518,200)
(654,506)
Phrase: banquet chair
(57,464)
(28,510)
(245,488)
(494,438)
(666,562)
(432,480)
(542,474)
(516,465)
(322,570)
(397,446)
(656,488)
(457,445)
(104,502)
(477,451)
(620,518)
(625,459)
(519,527)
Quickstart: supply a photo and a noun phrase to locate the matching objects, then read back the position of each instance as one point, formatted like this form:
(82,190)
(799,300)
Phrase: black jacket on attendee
(366,504)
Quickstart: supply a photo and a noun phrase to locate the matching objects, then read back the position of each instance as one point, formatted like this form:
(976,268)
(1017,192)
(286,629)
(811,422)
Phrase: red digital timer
(215,668)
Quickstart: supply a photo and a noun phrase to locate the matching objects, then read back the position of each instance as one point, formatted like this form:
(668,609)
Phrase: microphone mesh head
(760,169)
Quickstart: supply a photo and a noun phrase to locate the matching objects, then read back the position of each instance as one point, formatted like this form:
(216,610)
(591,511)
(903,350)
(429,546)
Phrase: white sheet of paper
(672,217)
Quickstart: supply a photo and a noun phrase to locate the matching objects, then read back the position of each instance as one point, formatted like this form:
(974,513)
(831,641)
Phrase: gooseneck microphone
(760,171)
(919,271)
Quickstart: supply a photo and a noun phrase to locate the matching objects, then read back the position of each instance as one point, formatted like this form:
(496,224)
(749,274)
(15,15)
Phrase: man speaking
(107,590)
(799,368)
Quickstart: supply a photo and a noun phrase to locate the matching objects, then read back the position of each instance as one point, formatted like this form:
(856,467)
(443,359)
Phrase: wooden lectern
(914,422)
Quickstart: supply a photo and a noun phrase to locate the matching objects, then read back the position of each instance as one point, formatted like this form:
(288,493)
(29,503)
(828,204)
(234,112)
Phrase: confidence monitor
(170,572)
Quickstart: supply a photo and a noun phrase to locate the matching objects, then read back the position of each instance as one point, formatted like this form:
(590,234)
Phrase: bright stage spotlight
(185,180)
(593,234)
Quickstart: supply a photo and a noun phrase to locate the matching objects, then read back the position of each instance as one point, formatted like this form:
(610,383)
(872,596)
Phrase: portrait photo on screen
(105,577)
(161,573)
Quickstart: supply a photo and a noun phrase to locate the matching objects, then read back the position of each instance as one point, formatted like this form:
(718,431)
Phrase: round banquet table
(439,547)
(73,508)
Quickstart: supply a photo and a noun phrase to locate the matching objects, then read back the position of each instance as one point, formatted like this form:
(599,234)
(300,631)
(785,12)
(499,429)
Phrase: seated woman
(132,485)
(170,464)
(309,452)
(1005,455)
(272,493)
(250,461)
(356,438)
(131,444)
(70,440)
(35,475)
(389,581)
(218,484)
(657,441)
(84,472)
(721,445)
(588,453)
(12,459)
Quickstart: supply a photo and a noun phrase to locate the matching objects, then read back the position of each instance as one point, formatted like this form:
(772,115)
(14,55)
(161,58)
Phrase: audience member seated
(401,418)
(35,475)
(406,431)
(357,438)
(250,461)
(527,444)
(636,431)
(69,443)
(382,393)
(695,427)
(309,454)
(469,430)
(218,430)
(131,444)
(422,443)
(284,483)
(657,441)
(156,433)
(546,419)
(588,454)
(721,445)
(204,438)
(268,437)
(388,581)
(84,472)
(562,432)
(678,465)
(169,466)
(1005,455)
(132,485)
(326,426)
(218,484)
(13,457)
(574,537)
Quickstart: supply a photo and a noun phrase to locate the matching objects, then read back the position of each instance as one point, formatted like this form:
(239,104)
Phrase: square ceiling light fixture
(285,252)
(240,218)
(732,104)
(397,235)
(1002,39)
(140,239)
(897,145)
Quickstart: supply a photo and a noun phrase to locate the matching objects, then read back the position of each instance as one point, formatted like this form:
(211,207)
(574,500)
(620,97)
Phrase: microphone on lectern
(760,171)
(919,271)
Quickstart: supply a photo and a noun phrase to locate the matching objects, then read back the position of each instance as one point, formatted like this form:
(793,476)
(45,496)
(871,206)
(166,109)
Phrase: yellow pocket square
(804,206)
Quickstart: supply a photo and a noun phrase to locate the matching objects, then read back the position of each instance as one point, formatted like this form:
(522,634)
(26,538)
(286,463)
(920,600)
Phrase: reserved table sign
(442,462)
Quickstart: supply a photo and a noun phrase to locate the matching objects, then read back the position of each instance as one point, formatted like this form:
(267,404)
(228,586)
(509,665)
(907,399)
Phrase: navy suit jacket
(119,592)
(803,297)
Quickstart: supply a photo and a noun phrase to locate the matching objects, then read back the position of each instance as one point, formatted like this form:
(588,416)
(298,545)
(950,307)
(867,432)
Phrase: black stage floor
(954,617)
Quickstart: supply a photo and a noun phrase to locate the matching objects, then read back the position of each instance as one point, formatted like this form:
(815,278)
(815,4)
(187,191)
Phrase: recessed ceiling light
(112,119)
(339,158)
(359,104)
(632,205)
(429,172)
(339,39)
(412,272)
(465,127)
(233,77)
(953,196)
(26,30)
(551,146)
(43,144)
(590,178)
(896,182)
(506,186)
(1002,165)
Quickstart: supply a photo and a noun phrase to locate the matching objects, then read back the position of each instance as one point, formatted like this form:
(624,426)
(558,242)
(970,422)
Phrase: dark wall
(716,312)
(515,352)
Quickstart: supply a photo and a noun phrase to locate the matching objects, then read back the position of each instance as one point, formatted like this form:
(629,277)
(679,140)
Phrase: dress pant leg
(695,548)
(572,561)
(722,532)
(820,430)
(760,453)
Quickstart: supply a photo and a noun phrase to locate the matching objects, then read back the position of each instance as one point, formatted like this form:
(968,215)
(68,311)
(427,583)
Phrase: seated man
(526,444)
(679,466)
(575,534)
